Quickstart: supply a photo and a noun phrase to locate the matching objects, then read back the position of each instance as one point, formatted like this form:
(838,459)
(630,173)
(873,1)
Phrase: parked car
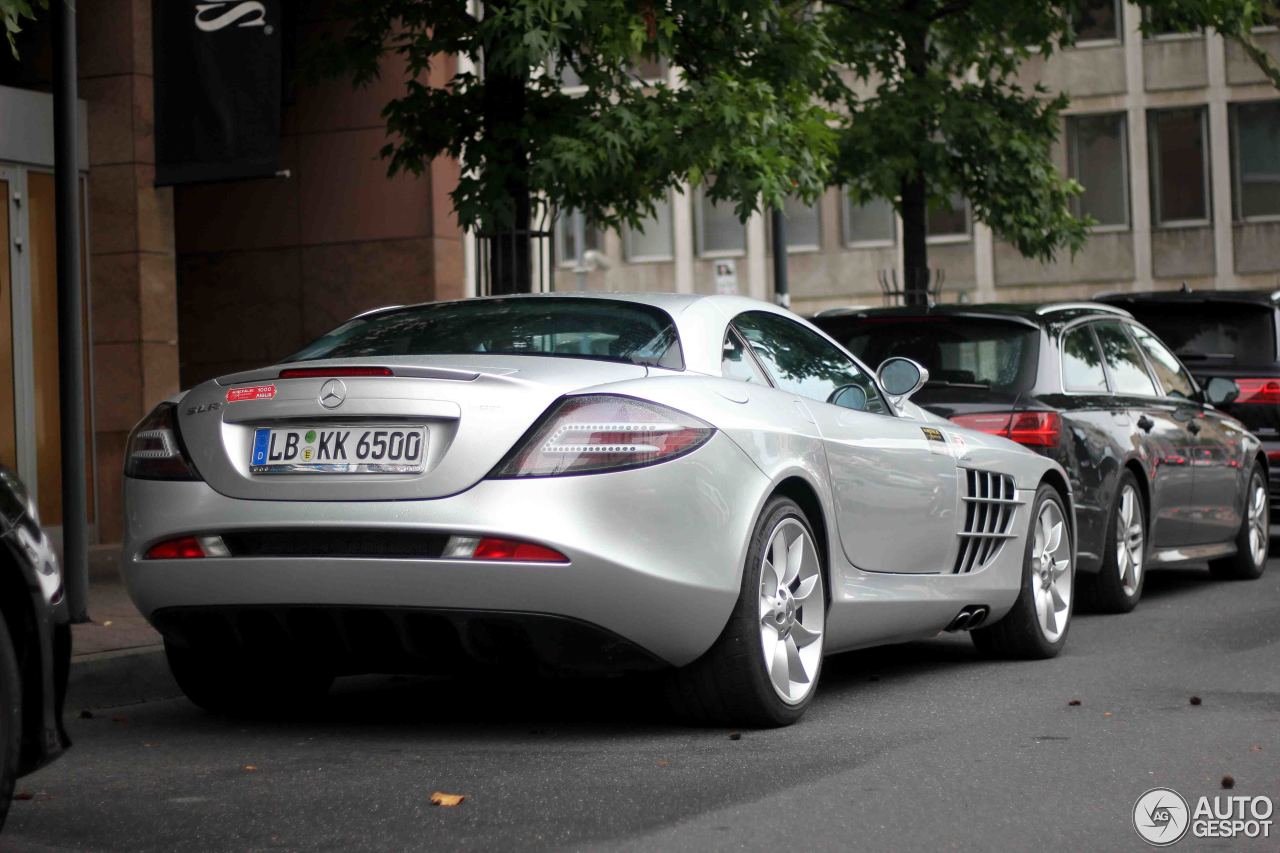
(706,486)
(1159,474)
(35,642)
(1224,334)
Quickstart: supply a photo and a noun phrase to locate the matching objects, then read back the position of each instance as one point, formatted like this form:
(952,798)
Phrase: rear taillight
(155,450)
(187,548)
(330,372)
(1033,429)
(500,550)
(1264,392)
(592,434)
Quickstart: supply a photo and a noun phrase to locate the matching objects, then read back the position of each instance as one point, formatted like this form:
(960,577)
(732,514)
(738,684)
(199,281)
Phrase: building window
(650,70)
(1097,20)
(1179,166)
(948,222)
(1097,152)
(653,240)
(870,224)
(1255,137)
(804,225)
(571,226)
(717,227)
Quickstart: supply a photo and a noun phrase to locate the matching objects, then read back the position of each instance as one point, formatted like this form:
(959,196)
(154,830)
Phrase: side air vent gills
(989,503)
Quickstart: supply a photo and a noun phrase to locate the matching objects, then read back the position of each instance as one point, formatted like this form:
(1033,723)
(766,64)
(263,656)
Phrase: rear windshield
(1200,330)
(600,329)
(956,350)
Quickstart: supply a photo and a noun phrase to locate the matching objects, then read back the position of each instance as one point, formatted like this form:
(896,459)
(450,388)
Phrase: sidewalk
(117,658)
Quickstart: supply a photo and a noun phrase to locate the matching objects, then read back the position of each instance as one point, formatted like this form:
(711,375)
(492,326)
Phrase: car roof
(1257,297)
(1029,314)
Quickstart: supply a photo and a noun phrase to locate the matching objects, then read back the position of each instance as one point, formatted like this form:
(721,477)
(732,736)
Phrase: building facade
(1176,139)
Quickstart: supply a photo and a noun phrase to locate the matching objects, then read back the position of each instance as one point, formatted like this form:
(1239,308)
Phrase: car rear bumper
(655,554)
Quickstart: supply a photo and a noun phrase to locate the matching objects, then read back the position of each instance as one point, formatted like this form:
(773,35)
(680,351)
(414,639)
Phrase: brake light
(603,432)
(1032,429)
(505,550)
(155,450)
(1259,391)
(188,548)
(330,372)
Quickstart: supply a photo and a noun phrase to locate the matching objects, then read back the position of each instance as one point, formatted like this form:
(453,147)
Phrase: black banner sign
(217,89)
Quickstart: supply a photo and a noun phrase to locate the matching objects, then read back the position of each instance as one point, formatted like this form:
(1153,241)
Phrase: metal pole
(66,172)
(781,287)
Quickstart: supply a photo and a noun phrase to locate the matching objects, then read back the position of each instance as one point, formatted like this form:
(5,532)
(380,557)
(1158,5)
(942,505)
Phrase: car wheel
(763,670)
(10,719)
(243,685)
(1117,586)
(1037,625)
(1254,539)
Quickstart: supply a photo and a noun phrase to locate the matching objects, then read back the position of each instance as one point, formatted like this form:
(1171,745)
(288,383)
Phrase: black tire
(729,685)
(1105,591)
(1242,566)
(242,685)
(1019,635)
(10,719)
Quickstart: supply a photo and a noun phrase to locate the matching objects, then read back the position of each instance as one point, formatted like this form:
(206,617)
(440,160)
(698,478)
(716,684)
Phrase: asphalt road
(922,746)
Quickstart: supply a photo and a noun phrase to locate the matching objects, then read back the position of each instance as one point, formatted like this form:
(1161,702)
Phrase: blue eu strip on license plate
(261,439)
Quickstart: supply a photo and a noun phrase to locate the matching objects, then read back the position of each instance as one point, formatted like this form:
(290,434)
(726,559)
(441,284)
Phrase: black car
(1230,334)
(35,642)
(1160,476)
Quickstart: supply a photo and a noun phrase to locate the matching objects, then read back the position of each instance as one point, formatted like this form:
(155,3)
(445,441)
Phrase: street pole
(66,171)
(781,287)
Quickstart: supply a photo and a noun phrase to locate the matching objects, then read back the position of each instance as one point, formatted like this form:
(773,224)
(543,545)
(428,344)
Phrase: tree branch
(1265,61)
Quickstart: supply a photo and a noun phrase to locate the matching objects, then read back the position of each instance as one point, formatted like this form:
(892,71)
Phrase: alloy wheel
(1259,521)
(792,611)
(1051,574)
(1130,541)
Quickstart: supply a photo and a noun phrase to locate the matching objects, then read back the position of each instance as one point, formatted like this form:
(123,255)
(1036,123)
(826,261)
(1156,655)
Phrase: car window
(804,363)
(1172,375)
(738,364)
(564,327)
(1082,362)
(1128,371)
(1211,330)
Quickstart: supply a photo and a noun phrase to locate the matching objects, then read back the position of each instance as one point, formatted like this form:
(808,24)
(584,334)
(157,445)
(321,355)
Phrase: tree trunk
(915,244)
(915,188)
(510,247)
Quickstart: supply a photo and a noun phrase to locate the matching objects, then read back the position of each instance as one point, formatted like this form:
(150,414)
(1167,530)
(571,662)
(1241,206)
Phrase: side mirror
(849,397)
(901,377)
(1221,391)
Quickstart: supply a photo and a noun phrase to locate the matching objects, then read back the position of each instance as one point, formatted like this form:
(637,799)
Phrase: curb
(124,677)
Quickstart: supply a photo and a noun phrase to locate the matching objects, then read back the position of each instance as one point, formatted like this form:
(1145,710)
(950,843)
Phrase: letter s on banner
(238,12)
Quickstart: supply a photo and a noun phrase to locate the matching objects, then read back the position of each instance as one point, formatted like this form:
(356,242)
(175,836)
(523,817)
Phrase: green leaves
(742,109)
(13,11)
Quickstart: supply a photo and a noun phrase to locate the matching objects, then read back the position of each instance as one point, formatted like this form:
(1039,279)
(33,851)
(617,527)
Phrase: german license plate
(338,450)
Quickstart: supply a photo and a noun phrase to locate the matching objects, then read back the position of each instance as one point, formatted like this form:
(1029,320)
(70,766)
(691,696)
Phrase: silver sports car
(703,485)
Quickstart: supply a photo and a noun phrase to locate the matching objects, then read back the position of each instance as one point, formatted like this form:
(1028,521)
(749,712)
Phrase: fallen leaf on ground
(249,768)
(106,624)
(662,762)
(1255,748)
(24,795)
(735,735)
(1195,700)
(1228,781)
(1073,702)
(440,798)
(119,718)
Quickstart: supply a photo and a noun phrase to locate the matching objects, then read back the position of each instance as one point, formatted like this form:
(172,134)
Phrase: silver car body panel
(656,553)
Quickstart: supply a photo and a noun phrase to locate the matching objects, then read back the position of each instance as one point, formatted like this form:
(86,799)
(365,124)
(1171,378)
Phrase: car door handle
(1146,424)
(1193,428)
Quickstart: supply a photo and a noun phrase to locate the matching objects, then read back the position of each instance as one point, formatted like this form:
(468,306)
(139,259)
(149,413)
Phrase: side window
(738,364)
(1082,362)
(1172,375)
(1128,371)
(802,362)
